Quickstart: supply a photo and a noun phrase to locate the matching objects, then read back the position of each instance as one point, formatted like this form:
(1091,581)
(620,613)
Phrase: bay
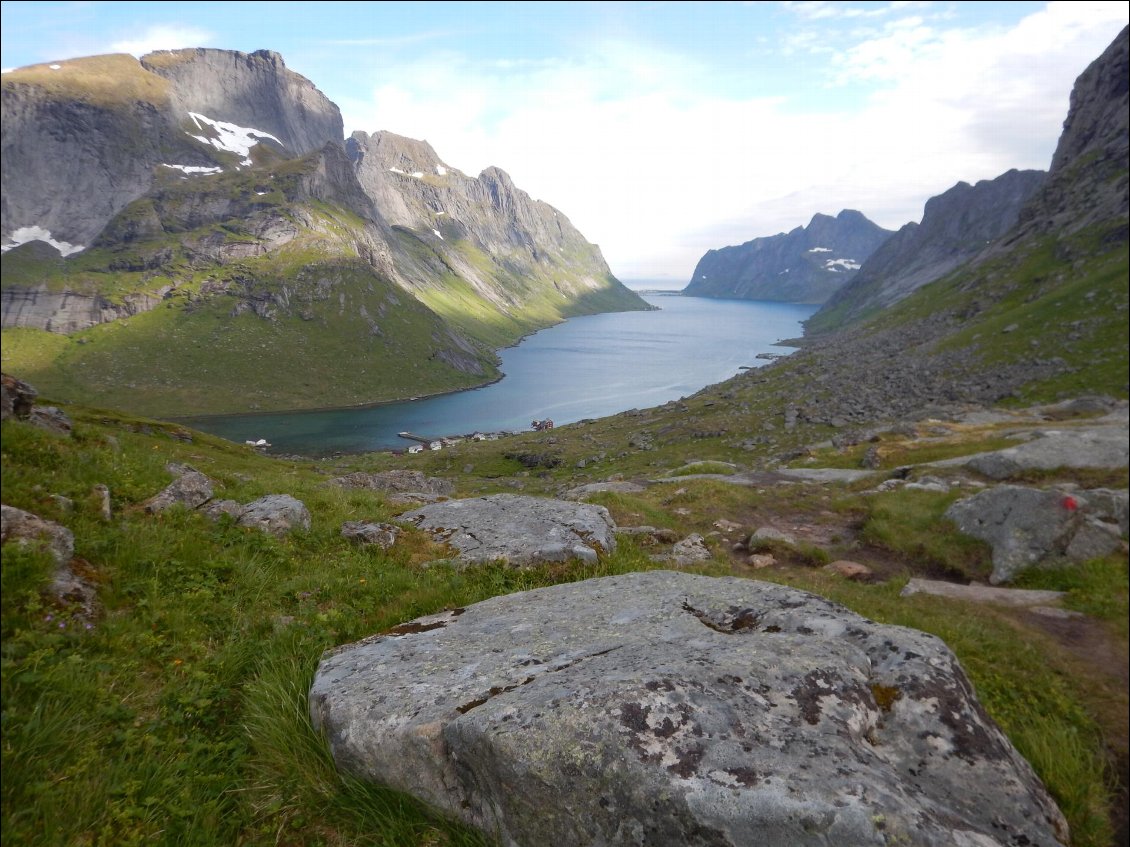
(586,367)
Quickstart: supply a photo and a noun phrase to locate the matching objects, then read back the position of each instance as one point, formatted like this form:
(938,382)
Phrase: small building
(416,448)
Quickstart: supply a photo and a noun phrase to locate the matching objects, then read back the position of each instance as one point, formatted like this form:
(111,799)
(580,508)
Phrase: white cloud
(635,146)
(163,37)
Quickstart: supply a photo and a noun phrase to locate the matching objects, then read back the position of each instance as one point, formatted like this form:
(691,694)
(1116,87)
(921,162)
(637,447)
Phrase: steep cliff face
(956,226)
(1088,182)
(83,138)
(221,219)
(807,265)
(253,90)
(510,248)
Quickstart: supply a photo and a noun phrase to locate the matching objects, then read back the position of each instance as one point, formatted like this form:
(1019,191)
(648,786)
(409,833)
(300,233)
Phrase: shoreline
(376,404)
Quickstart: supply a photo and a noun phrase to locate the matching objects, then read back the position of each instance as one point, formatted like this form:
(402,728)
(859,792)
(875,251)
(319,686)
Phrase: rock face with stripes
(669,708)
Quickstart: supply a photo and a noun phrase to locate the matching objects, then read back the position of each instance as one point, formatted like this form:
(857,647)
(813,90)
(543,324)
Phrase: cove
(586,367)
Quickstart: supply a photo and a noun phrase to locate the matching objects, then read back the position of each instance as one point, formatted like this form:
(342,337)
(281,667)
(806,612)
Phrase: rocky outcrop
(1098,447)
(807,265)
(666,708)
(956,226)
(65,312)
(518,530)
(397,482)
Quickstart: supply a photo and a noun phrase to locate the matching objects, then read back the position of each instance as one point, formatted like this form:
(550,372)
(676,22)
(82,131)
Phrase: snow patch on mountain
(230,137)
(37,233)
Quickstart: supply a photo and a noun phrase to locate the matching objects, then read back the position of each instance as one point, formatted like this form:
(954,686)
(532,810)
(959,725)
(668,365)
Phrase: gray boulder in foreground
(518,530)
(666,708)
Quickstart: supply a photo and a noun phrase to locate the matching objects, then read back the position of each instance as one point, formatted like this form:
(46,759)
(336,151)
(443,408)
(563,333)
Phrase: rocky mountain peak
(806,265)
(396,153)
(956,225)
(249,89)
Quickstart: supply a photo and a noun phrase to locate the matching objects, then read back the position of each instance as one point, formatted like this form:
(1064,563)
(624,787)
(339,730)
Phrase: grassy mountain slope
(270,297)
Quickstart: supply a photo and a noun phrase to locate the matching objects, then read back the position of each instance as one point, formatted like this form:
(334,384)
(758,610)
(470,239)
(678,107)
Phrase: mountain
(807,265)
(1038,314)
(191,233)
(956,226)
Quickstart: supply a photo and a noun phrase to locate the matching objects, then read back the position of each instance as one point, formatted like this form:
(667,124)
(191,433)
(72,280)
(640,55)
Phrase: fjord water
(586,367)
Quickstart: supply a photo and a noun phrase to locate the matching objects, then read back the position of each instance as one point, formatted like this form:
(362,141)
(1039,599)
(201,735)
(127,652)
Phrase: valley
(871,592)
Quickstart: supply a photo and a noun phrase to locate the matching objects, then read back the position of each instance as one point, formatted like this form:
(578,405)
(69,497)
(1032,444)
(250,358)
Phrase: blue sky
(660,129)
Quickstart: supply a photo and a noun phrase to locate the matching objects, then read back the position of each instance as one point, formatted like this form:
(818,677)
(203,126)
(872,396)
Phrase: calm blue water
(584,368)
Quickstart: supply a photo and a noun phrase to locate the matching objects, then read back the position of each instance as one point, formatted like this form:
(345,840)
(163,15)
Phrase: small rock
(849,569)
(691,550)
(761,560)
(981,593)
(218,508)
(382,535)
(190,490)
(768,533)
(52,419)
(16,398)
(727,526)
(276,514)
(101,495)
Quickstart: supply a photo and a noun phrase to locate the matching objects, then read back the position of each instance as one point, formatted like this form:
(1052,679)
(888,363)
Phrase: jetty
(411,436)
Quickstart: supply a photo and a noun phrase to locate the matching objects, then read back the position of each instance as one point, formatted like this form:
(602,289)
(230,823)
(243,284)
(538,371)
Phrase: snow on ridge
(37,233)
(417,174)
(232,138)
(194,169)
(55,67)
(441,170)
(844,265)
(398,171)
(438,235)
(820,250)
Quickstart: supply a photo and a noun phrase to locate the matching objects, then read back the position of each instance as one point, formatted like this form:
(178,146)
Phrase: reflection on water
(584,368)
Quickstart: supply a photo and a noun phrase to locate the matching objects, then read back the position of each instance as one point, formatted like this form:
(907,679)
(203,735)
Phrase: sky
(661,130)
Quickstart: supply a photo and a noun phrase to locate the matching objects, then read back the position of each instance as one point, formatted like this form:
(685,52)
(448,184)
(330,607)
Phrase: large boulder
(1028,526)
(518,530)
(669,708)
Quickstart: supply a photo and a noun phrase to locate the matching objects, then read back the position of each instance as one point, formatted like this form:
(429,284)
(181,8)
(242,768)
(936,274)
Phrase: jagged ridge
(807,265)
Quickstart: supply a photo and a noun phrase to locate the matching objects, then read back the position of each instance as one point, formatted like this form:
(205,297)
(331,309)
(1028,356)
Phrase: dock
(411,436)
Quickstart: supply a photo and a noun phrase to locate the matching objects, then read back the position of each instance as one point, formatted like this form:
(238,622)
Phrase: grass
(181,716)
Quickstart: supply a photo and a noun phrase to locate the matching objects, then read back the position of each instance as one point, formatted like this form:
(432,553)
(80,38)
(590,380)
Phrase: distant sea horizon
(654,284)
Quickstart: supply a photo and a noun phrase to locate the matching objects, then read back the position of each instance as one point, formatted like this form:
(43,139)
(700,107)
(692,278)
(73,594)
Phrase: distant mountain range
(191,233)
(807,265)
